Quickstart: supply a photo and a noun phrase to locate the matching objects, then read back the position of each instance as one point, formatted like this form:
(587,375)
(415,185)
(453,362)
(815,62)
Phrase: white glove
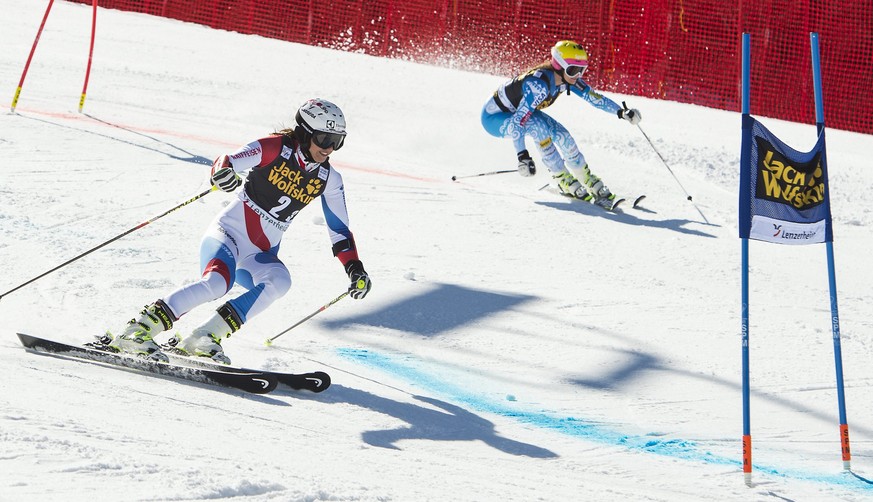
(632,115)
(223,175)
(526,166)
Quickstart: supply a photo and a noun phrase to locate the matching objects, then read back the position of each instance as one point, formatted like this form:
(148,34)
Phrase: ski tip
(616,204)
(638,200)
(263,384)
(325,382)
(317,381)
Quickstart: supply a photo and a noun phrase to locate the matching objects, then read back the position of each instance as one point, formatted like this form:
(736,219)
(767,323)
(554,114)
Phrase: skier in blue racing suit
(515,111)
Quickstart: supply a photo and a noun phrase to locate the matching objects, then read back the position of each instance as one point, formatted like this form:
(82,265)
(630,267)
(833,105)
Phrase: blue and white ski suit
(515,111)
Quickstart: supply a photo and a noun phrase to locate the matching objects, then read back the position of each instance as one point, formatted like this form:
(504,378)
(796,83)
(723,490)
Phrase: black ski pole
(455,178)
(662,158)
(671,171)
(269,341)
(119,236)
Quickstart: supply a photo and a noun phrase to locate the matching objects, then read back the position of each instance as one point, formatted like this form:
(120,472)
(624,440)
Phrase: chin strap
(304,140)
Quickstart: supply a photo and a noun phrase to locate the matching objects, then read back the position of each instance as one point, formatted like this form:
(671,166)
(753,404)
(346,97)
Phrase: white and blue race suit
(515,111)
(241,244)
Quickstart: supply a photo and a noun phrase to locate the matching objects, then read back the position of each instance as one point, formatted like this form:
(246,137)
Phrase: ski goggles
(328,139)
(575,71)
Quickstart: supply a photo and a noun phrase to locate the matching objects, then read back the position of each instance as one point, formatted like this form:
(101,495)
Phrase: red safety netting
(680,50)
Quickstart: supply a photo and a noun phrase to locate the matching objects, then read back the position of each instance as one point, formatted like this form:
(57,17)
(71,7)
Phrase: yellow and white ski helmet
(568,53)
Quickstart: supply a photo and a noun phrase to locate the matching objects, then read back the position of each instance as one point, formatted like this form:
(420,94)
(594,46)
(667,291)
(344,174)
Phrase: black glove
(632,115)
(223,175)
(360,284)
(526,166)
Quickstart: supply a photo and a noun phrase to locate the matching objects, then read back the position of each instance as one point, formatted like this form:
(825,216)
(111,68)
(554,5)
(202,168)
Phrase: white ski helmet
(321,122)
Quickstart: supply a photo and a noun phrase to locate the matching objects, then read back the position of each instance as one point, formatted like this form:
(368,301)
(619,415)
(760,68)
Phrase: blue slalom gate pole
(832,281)
(747,425)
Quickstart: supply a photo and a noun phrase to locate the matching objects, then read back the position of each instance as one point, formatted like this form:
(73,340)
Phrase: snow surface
(516,345)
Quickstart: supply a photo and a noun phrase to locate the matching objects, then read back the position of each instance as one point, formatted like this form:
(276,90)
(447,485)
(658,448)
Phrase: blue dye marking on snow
(577,427)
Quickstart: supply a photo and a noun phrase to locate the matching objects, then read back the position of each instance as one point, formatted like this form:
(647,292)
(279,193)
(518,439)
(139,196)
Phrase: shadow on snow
(624,216)
(444,308)
(185,157)
(447,423)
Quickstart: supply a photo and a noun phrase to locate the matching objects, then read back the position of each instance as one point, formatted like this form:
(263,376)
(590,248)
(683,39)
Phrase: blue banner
(784,196)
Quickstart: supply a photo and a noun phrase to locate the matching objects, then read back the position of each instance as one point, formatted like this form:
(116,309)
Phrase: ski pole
(269,341)
(455,178)
(671,171)
(662,159)
(119,236)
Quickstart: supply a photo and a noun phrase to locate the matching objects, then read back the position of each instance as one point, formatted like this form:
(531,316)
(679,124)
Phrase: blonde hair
(545,65)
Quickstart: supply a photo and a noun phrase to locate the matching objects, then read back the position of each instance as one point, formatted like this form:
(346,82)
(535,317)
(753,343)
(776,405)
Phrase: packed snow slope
(515,346)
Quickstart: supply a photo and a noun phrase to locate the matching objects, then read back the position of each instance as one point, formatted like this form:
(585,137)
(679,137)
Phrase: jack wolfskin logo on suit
(289,181)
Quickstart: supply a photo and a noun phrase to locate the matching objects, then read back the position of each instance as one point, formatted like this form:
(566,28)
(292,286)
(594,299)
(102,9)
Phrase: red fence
(679,50)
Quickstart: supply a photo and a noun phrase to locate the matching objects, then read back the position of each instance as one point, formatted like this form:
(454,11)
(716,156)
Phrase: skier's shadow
(627,218)
(449,423)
